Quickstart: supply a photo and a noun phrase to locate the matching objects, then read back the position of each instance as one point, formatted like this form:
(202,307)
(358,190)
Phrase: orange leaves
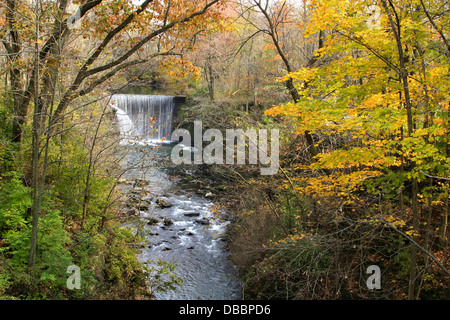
(178,68)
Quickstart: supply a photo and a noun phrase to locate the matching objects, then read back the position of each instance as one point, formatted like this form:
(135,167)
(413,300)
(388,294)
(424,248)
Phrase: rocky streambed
(183,227)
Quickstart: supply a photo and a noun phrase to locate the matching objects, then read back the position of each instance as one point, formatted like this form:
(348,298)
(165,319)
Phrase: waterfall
(143,117)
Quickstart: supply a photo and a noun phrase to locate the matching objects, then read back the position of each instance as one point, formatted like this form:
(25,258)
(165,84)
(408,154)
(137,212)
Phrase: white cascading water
(125,124)
(144,118)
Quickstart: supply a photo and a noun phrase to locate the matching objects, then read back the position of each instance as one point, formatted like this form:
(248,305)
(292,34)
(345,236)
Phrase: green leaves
(14,202)
(53,239)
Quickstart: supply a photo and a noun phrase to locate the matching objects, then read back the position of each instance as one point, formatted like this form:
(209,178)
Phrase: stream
(184,228)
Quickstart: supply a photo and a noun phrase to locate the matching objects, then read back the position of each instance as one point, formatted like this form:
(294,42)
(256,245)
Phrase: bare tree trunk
(444,225)
(435,27)
(13,49)
(394,22)
(91,168)
(444,219)
(210,81)
(414,255)
(272,31)
(44,95)
(37,116)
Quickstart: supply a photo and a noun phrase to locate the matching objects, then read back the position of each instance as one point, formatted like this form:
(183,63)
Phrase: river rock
(192,214)
(210,195)
(138,204)
(143,205)
(141,183)
(133,200)
(140,190)
(162,203)
(125,181)
(152,221)
(167,222)
(131,211)
(203,221)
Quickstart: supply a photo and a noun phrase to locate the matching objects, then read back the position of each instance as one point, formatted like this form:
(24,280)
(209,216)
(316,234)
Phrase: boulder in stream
(125,181)
(138,203)
(152,221)
(131,211)
(162,203)
(167,222)
(192,214)
(143,205)
(140,190)
(203,221)
(141,183)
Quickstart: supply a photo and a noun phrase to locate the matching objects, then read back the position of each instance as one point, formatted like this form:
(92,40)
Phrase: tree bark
(118,64)
(13,49)
(444,224)
(272,31)
(403,73)
(37,120)
(210,78)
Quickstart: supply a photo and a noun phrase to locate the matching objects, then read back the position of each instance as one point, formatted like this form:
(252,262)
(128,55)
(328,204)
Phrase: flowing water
(144,118)
(192,236)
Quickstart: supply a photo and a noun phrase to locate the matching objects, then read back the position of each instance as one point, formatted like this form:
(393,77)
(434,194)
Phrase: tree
(37,35)
(382,93)
(278,18)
